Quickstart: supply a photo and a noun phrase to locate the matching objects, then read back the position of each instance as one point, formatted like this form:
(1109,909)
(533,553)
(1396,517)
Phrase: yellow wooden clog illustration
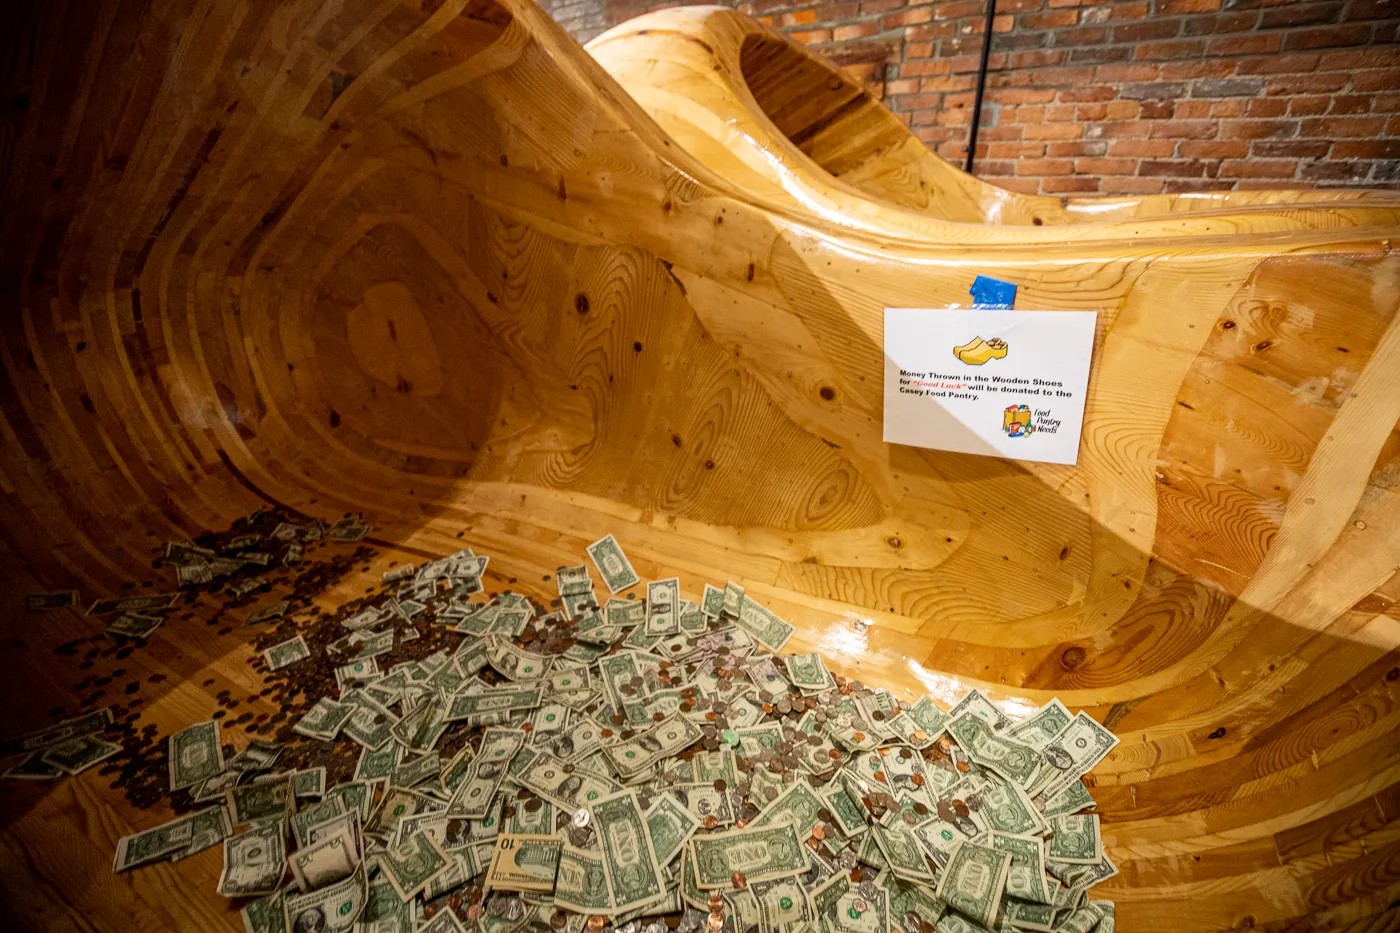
(979,351)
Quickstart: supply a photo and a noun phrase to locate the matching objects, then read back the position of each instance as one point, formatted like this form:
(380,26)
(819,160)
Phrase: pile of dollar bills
(637,766)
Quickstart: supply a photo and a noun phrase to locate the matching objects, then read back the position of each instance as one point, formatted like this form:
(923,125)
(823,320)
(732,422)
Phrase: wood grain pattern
(432,262)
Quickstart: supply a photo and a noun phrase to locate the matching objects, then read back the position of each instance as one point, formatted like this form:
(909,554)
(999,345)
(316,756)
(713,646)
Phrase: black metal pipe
(981,84)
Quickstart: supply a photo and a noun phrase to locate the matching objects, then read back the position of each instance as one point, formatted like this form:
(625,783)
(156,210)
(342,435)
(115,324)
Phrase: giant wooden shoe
(429,261)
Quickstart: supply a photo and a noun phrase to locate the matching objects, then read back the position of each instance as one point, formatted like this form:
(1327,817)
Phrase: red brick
(1023,185)
(1123,11)
(1058,77)
(1213,149)
(1053,19)
(1175,168)
(947,83)
(1328,38)
(1300,14)
(922,67)
(812,36)
(1000,133)
(901,86)
(1124,109)
(1260,168)
(1305,84)
(1177,186)
(1245,45)
(1158,109)
(1278,65)
(1024,96)
(1335,171)
(1069,185)
(880,6)
(1126,129)
(1229,108)
(1044,167)
(1032,113)
(1147,29)
(1091,112)
(1080,95)
(1357,59)
(1352,103)
(1119,185)
(1350,127)
(1054,131)
(1083,35)
(1015,150)
(1177,7)
(1382,79)
(854,31)
(1185,129)
(1267,107)
(1072,148)
(1115,74)
(1059,113)
(1308,106)
(1247,185)
(920,101)
(1385,103)
(1369,9)
(1142,148)
(958,9)
(1177,71)
(917,50)
(1105,166)
(1367,149)
(1257,129)
(1038,58)
(919,14)
(1169,51)
(1219,23)
(798,18)
(984,167)
(1290,148)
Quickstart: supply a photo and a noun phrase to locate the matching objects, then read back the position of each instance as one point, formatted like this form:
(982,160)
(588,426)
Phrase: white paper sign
(998,383)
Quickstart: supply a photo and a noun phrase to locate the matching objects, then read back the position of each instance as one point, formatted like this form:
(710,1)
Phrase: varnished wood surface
(430,262)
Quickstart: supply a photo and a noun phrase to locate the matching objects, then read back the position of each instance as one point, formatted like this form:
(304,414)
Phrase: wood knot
(1228,325)
(1217,734)
(828,393)
(1073,657)
(581,303)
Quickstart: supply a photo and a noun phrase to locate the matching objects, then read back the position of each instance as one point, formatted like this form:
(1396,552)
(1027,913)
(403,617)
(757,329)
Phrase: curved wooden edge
(783,122)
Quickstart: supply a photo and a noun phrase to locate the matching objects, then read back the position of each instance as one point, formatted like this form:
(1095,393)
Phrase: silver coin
(868,891)
(581,817)
(860,905)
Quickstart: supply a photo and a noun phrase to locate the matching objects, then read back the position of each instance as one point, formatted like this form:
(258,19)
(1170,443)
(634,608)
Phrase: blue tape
(993,294)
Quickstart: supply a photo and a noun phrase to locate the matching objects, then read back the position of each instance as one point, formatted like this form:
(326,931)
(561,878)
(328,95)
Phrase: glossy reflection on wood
(431,262)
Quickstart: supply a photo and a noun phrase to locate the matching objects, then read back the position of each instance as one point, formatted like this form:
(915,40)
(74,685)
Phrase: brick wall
(1138,96)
